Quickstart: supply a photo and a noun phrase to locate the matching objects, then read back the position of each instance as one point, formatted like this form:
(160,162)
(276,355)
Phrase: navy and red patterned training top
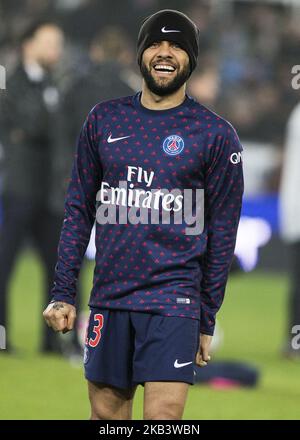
(129,162)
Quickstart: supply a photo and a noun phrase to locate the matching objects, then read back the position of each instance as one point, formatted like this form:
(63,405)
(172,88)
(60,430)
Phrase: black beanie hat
(169,25)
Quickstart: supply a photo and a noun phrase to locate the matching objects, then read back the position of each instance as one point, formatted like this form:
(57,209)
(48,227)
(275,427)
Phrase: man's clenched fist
(202,356)
(60,316)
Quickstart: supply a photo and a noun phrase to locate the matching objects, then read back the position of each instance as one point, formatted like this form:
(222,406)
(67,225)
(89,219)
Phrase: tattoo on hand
(58,306)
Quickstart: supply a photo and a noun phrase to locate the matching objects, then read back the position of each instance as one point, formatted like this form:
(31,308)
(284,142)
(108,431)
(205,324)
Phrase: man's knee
(164,411)
(165,400)
(102,412)
(109,403)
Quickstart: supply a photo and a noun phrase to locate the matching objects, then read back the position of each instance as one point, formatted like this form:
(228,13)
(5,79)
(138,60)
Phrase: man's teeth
(164,68)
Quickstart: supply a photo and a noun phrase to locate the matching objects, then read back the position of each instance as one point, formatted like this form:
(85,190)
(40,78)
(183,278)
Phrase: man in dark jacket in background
(28,109)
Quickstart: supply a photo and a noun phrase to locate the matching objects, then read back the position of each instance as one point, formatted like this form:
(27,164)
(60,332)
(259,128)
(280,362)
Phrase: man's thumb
(199,360)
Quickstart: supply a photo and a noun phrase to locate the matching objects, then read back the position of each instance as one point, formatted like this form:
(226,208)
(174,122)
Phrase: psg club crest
(173,145)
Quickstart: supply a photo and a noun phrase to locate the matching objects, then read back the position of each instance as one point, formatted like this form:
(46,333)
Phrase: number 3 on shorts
(97,330)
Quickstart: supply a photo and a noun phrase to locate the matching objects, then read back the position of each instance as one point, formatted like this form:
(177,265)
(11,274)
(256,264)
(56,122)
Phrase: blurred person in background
(28,113)
(290,223)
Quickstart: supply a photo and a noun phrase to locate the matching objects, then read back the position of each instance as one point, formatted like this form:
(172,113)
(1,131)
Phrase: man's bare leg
(110,403)
(164,400)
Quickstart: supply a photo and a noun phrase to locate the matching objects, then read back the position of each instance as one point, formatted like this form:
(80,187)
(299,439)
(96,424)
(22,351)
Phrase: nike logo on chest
(110,139)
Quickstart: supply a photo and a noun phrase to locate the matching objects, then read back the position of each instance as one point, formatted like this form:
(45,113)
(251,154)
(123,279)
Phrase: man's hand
(60,316)
(202,356)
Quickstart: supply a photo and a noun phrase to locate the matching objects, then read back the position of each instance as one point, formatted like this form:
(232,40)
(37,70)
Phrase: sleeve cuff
(63,298)
(207,322)
(207,331)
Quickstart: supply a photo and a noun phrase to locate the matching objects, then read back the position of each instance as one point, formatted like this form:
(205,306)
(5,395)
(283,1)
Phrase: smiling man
(156,289)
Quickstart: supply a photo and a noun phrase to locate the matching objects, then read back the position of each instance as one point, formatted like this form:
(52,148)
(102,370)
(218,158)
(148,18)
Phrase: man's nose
(164,49)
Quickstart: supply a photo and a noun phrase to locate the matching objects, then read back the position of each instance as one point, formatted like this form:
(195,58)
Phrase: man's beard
(164,89)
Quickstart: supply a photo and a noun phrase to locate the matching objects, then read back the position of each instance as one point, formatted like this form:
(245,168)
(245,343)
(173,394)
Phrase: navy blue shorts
(123,349)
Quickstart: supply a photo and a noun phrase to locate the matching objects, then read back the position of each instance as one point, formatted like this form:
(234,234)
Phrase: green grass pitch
(252,317)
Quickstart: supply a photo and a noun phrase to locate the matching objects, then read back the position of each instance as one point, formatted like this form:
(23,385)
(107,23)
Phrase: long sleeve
(80,211)
(223,198)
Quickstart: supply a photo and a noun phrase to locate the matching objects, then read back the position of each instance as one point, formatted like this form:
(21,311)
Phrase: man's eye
(155,44)
(176,46)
